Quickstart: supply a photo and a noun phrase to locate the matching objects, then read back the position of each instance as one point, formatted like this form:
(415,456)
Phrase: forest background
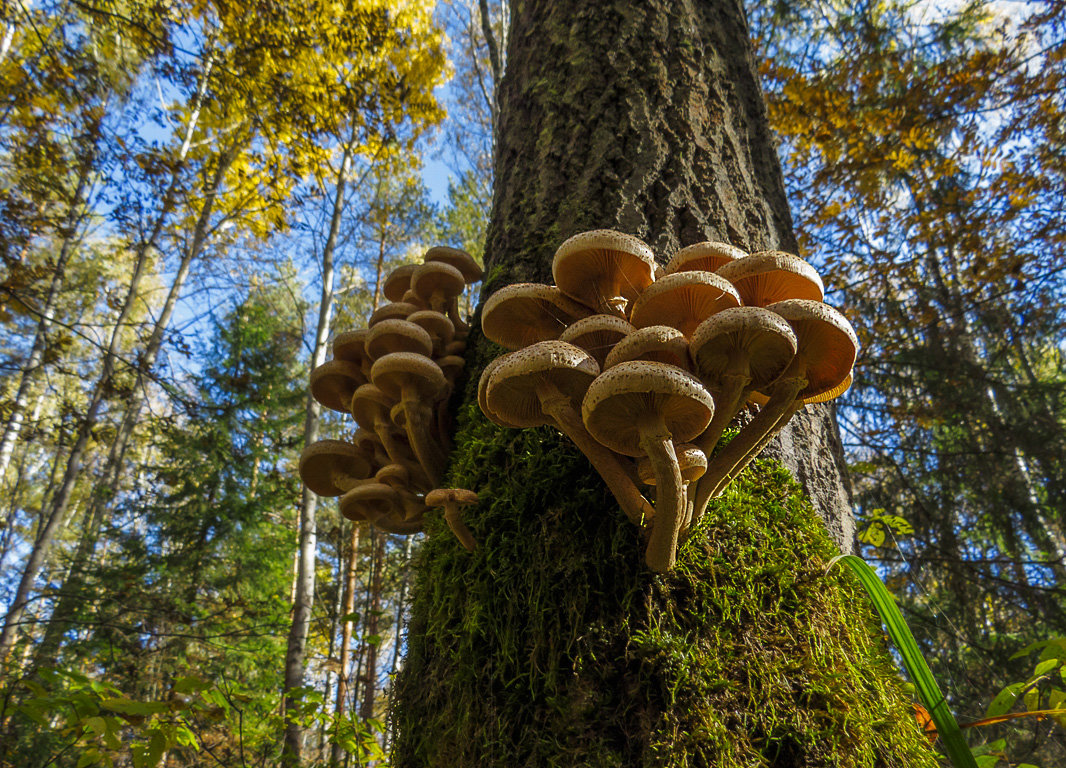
(192,205)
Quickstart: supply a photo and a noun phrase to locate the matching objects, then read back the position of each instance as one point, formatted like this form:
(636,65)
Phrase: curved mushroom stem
(557,405)
(344,481)
(455,317)
(428,452)
(658,444)
(727,402)
(395,452)
(455,522)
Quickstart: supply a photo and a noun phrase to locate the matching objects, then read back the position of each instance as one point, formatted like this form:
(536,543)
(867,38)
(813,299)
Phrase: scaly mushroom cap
(394,476)
(623,397)
(690,459)
(705,257)
(370,405)
(656,344)
(604,269)
(440,329)
(452,365)
(771,276)
(395,371)
(437,283)
(333,383)
(482,390)
(597,334)
(326,462)
(440,496)
(397,336)
(761,337)
(525,313)
(350,346)
(512,392)
(826,341)
(398,282)
(454,257)
(396,310)
(370,501)
(412,298)
(683,300)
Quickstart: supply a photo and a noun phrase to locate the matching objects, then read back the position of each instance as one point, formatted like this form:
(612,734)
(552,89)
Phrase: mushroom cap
(436,324)
(452,365)
(604,269)
(394,310)
(656,343)
(683,300)
(397,336)
(597,334)
(482,390)
(525,313)
(437,279)
(440,496)
(333,383)
(397,370)
(370,501)
(707,256)
(398,282)
(454,257)
(759,337)
(513,391)
(455,347)
(771,276)
(825,340)
(322,462)
(624,397)
(367,441)
(394,475)
(412,298)
(350,346)
(690,460)
(369,405)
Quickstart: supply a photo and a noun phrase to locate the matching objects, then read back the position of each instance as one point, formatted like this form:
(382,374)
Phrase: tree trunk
(552,644)
(344,674)
(373,621)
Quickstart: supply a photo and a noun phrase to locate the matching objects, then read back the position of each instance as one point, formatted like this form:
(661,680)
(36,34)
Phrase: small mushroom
(597,334)
(333,467)
(397,336)
(683,300)
(771,276)
(525,313)
(641,408)
(656,344)
(370,408)
(459,259)
(453,500)
(333,383)
(604,269)
(398,282)
(398,477)
(396,310)
(381,506)
(706,256)
(441,330)
(350,347)
(440,286)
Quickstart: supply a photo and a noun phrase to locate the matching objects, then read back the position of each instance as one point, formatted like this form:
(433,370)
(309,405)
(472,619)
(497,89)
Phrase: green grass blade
(928,690)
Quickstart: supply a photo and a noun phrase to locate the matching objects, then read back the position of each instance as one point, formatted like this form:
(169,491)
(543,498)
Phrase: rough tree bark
(551,644)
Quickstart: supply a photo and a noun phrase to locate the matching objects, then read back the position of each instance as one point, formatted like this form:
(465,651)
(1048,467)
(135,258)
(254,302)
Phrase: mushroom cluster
(395,377)
(644,368)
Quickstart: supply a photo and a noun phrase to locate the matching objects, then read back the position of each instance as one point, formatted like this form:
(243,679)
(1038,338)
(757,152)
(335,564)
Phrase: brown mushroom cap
(350,346)
(748,340)
(370,501)
(825,340)
(683,300)
(437,283)
(597,334)
(452,365)
(440,329)
(396,310)
(705,257)
(441,496)
(482,390)
(454,257)
(621,399)
(397,336)
(398,282)
(525,313)
(512,391)
(691,460)
(457,347)
(656,344)
(412,298)
(326,462)
(333,383)
(604,269)
(771,276)
(369,405)
(370,444)
(394,476)
(398,370)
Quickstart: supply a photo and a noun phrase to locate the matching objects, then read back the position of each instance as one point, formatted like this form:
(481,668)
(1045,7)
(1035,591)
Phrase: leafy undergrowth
(553,645)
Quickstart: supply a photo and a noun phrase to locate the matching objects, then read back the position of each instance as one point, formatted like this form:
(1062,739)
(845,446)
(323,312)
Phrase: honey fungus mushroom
(453,500)
(544,384)
(333,467)
(381,506)
(683,300)
(604,269)
(707,256)
(597,334)
(771,276)
(639,408)
(525,313)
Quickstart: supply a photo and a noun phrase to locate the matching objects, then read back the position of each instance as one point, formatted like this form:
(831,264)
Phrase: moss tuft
(552,645)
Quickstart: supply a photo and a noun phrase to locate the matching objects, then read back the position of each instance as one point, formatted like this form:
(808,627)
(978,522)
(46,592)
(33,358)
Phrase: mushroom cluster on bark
(645,367)
(395,378)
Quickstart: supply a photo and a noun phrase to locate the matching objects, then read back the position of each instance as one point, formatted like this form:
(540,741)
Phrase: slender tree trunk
(552,644)
(343,676)
(373,622)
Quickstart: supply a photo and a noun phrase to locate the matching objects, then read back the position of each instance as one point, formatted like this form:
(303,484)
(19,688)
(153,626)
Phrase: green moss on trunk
(553,645)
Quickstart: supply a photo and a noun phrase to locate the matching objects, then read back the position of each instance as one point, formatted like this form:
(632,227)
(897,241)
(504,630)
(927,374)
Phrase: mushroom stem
(455,522)
(456,317)
(658,445)
(428,452)
(396,454)
(727,401)
(604,461)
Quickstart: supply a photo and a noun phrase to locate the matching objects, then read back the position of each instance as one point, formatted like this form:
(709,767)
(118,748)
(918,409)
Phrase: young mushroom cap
(412,298)
(370,444)
(525,313)
(440,329)
(749,341)
(333,383)
(514,391)
(683,300)
(350,346)
(333,467)
(452,366)
(456,347)
(397,336)
(370,501)
(398,282)
(771,276)
(369,406)
(656,344)
(706,256)
(604,269)
(482,390)
(453,500)
(398,371)
(690,460)
(396,310)
(597,334)
(437,283)
(454,257)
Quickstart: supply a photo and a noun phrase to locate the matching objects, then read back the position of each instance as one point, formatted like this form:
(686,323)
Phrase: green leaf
(96,725)
(1004,700)
(373,640)
(126,706)
(354,616)
(987,761)
(1056,698)
(928,690)
(190,684)
(1045,666)
(874,535)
